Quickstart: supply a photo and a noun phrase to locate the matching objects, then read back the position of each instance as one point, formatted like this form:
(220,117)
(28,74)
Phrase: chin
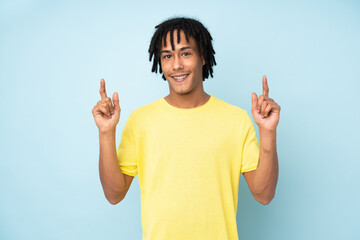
(181,92)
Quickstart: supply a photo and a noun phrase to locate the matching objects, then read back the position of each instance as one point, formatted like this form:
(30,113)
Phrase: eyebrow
(181,49)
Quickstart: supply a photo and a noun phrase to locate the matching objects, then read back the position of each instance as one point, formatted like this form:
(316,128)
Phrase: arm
(266,113)
(262,181)
(115,184)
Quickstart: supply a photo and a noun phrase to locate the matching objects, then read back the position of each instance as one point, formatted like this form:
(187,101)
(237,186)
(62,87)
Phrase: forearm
(111,176)
(266,174)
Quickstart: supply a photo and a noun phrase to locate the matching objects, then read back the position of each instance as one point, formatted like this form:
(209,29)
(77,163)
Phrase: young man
(189,148)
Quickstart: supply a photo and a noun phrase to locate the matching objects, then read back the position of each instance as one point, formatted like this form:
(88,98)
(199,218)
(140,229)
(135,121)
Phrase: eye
(186,54)
(166,56)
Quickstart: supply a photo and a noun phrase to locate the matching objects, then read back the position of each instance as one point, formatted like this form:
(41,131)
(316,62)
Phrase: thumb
(254,100)
(116,101)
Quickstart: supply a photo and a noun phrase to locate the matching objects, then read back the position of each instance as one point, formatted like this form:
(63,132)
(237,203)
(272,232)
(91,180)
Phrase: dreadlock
(191,27)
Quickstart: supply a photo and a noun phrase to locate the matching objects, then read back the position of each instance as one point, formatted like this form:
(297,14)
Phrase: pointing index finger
(265,87)
(102,89)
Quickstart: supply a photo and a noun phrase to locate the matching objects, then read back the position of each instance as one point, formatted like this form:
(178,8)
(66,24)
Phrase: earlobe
(203,62)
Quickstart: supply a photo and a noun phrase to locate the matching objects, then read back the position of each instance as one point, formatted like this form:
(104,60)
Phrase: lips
(180,78)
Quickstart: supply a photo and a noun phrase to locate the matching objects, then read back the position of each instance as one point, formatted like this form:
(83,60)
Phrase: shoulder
(234,114)
(230,109)
(143,112)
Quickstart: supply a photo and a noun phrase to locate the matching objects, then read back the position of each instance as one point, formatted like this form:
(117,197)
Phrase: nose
(177,63)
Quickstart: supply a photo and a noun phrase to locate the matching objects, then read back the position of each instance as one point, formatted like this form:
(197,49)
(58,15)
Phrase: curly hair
(191,27)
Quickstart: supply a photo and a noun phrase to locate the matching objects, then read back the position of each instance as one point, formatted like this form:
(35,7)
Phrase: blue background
(53,54)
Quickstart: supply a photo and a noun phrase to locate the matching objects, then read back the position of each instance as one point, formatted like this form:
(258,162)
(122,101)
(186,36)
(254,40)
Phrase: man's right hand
(105,114)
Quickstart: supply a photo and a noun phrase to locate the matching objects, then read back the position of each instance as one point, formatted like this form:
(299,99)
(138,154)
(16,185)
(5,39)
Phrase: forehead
(182,42)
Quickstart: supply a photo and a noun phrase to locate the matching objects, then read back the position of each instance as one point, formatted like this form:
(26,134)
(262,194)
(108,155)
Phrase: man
(189,148)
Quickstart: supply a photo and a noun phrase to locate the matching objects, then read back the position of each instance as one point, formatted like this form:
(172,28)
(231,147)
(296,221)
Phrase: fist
(106,112)
(265,111)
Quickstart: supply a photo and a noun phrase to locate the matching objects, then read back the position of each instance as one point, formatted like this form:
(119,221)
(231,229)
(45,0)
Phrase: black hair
(191,27)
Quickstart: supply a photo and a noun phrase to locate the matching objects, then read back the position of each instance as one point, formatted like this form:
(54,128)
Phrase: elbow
(114,200)
(265,200)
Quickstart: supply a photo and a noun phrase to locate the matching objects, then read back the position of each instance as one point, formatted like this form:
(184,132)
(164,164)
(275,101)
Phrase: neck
(190,100)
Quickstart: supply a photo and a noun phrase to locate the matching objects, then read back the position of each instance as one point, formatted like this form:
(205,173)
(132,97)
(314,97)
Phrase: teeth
(181,77)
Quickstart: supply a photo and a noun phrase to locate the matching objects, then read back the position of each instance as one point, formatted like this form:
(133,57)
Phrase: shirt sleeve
(126,152)
(250,150)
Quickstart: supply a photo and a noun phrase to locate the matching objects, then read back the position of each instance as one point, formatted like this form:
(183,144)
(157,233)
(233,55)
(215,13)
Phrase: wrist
(107,133)
(264,131)
(267,140)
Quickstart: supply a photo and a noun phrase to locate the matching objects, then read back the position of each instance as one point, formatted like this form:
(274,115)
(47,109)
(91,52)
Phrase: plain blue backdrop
(53,54)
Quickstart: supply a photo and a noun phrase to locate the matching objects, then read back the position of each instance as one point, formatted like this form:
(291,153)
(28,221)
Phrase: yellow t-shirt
(189,162)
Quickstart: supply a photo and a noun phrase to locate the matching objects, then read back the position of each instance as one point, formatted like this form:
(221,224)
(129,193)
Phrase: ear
(203,61)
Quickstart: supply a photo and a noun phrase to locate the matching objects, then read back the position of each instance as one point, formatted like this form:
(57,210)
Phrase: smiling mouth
(180,78)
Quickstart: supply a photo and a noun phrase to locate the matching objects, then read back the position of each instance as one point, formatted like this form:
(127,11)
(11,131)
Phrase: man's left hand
(265,111)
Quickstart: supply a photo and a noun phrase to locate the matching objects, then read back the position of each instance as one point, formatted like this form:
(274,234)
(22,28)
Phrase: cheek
(191,65)
(164,67)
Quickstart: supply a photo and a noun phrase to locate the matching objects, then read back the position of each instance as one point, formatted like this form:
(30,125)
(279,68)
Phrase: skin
(106,114)
(266,113)
(185,59)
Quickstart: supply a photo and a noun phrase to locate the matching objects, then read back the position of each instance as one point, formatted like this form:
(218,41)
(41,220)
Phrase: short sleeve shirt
(188,162)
